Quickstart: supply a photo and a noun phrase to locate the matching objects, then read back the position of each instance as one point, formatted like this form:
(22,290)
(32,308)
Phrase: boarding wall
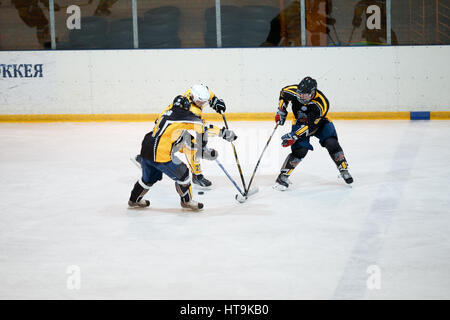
(355,79)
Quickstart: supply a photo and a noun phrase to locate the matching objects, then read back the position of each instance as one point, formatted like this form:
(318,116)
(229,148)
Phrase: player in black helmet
(310,107)
(194,99)
(169,136)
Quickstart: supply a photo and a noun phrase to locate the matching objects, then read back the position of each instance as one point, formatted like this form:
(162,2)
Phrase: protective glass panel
(172,23)
(443,22)
(252,23)
(24,24)
(346,22)
(421,21)
(93,24)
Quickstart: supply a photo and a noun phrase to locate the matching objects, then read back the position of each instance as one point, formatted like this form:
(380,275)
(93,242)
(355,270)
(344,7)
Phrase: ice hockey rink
(66,231)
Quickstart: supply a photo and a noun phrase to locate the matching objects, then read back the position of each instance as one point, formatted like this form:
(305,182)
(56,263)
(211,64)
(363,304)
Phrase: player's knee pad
(299,153)
(332,145)
(182,174)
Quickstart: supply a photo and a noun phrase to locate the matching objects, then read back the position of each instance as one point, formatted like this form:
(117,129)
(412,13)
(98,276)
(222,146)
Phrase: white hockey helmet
(200,95)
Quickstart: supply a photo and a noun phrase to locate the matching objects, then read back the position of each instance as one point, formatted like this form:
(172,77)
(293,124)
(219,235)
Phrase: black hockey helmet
(306,89)
(181,102)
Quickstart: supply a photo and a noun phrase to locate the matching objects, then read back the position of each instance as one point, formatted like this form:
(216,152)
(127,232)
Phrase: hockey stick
(235,155)
(246,194)
(229,177)
(241,196)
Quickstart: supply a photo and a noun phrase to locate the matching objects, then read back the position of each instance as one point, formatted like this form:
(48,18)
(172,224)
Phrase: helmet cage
(306,90)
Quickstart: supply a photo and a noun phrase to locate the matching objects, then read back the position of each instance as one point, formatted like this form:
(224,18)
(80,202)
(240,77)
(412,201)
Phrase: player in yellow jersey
(170,135)
(310,107)
(194,99)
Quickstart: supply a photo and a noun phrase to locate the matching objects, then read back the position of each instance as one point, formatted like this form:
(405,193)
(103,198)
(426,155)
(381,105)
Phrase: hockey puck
(200,192)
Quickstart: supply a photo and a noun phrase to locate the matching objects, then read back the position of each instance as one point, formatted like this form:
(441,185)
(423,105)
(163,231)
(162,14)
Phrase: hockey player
(194,99)
(169,135)
(310,107)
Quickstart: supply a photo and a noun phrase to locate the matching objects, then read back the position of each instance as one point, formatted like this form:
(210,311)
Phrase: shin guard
(185,191)
(340,161)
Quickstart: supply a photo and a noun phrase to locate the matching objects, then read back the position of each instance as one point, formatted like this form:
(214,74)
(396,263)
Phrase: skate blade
(199,187)
(192,209)
(347,183)
(240,198)
(279,187)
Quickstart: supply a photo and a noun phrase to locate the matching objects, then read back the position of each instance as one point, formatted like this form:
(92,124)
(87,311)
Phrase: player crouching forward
(170,135)
(194,99)
(310,107)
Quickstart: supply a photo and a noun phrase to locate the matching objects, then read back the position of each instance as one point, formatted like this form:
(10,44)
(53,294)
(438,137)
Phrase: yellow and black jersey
(169,131)
(312,114)
(212,130)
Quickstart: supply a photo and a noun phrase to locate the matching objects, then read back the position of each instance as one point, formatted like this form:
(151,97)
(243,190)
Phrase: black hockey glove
(280,117)
(218,105)
(181,102)
(209,154)
(227,134)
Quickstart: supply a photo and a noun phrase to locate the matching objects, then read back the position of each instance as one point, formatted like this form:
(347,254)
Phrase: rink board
(123,84)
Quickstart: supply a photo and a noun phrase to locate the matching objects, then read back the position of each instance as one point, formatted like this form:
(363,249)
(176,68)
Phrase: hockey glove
(280,117)
(181,102)
(227,134)
(289,139)
(209,154)
(218,105)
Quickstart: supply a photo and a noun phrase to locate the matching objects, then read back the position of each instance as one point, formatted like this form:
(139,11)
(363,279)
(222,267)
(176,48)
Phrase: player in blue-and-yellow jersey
(171,134)
(310,107)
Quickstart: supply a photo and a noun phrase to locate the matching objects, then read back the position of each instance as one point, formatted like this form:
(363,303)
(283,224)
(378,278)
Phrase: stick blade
(252,191)
(240,198)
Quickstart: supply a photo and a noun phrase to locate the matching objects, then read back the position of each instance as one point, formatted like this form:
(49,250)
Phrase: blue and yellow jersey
(311,114)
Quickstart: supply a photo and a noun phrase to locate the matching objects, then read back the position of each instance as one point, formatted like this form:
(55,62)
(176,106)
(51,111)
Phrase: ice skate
(346,176)
(139,204)
(192,204)
(282,182)
(201,182)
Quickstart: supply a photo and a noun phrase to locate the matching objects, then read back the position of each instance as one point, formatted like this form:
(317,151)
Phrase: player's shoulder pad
(321,97)
(290,90)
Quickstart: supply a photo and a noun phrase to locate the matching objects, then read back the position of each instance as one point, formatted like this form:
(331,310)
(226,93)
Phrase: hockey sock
(336,153)
(185,191)
(138,191)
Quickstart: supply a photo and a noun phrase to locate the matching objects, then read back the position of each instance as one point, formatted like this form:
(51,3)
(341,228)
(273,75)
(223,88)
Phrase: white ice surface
(65,186)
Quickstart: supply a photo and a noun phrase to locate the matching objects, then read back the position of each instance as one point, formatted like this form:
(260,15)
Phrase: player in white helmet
(194,100)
